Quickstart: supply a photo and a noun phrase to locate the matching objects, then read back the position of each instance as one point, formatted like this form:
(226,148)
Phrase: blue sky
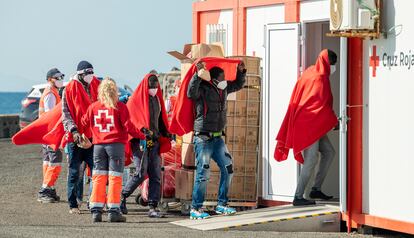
(122,39)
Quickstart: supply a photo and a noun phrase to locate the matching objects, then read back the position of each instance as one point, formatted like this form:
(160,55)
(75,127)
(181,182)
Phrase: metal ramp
(321,218)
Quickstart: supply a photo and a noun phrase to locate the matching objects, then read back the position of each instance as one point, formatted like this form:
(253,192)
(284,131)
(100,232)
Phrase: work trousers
(108,169)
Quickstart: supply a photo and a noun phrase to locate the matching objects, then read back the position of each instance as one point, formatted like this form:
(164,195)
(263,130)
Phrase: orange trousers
(108,169)
(52,165)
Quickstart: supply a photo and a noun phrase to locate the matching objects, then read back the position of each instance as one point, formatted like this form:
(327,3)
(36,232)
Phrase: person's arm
(236,85)
(193,91)
(86,117)
(67,120)
(127,124)
(49,102)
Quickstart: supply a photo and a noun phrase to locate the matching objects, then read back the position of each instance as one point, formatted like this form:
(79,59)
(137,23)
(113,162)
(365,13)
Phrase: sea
(10,102)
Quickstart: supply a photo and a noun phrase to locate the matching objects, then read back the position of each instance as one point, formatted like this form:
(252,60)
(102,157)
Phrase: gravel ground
(22,216)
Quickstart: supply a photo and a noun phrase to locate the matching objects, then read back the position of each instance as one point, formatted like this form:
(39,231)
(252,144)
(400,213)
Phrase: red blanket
(310,114)
(49,128)
(182,121)
(138,106)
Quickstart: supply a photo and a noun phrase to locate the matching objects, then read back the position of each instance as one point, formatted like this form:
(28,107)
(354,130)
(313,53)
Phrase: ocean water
(10,103)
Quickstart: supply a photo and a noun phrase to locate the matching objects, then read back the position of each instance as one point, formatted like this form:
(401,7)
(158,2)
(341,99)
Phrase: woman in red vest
(108,119)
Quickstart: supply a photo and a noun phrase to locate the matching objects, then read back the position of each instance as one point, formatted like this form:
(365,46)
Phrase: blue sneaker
(198,214)
(225,210)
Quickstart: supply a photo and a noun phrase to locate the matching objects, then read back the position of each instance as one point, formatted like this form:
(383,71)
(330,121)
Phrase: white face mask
(222,85)
(333,69)
(88,78)
(59,83)
(153,91)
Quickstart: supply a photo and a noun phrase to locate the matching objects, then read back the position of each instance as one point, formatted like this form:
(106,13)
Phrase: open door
(281,72)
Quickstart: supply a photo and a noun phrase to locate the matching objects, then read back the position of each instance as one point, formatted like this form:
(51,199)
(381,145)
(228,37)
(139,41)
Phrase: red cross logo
(374,61)
(104,121)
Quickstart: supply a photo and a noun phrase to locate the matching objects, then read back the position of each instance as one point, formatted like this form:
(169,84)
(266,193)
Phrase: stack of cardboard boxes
(242,132)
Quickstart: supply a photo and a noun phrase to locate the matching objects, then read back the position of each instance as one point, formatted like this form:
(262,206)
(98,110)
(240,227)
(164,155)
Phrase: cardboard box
(242,138)
(251,120)
(191,52)
(253,80)
(252,63)
(250,94)
(184,183)
(244,163)
(243,109)
(187,156)
(243,188)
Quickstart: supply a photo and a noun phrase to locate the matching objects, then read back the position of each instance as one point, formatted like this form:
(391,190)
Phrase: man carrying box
(208,90)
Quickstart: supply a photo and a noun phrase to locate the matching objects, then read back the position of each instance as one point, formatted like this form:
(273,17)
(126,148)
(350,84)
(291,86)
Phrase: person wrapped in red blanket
(147,111)
(309,118)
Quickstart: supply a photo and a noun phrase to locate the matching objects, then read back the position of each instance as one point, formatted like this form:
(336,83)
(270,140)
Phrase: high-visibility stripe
(113,205)
(114,173)
(45,163)
(100,172)
(96,204)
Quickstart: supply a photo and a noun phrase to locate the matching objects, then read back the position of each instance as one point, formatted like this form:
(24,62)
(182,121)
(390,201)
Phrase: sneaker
(116,217)
(303,202)
(74,210)
(225,210)
(198,214)
(155,213)
(96,217)
(44,196)
(123,207)
(316,194)
(54,195)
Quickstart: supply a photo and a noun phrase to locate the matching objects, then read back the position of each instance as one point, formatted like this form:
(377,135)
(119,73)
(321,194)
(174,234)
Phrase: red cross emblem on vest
(374,61)
(104,121)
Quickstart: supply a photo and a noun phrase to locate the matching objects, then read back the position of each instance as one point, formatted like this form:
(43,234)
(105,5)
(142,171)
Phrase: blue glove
(124,98)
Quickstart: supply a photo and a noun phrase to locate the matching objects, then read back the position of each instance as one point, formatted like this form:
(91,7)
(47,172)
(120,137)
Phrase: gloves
(124,98)
(149,135)
(76,137)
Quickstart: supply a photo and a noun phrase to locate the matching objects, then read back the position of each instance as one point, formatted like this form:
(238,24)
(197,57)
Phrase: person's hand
(76,137)
(148,133)
(200,65)
(241,67)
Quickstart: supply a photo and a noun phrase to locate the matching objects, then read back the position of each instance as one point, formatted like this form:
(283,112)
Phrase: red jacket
(110,125)
(310,115)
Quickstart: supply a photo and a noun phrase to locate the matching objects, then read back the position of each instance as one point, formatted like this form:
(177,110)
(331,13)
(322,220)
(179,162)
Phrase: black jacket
(211,103)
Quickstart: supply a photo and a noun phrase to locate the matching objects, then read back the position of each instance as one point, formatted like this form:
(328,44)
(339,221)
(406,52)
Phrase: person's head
(217,75)
(85,72)
(153,85)
(332,60)
(108,93)
(55,78)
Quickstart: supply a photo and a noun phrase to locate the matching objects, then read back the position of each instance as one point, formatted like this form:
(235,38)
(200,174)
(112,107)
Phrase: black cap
(54,73)
(84,65)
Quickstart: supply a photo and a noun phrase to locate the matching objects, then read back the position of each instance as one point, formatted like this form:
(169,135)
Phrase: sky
(123,39)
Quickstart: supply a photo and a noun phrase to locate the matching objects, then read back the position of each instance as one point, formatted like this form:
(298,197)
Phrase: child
(109,121)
